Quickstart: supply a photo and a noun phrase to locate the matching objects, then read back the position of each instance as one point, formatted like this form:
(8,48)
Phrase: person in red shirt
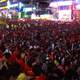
(1,54)
(24,67)
(41,77)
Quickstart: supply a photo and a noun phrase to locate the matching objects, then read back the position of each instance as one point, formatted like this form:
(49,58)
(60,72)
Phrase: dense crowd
(40,50)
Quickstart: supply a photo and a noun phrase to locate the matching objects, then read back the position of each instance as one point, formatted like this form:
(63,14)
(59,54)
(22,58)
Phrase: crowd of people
(40,50)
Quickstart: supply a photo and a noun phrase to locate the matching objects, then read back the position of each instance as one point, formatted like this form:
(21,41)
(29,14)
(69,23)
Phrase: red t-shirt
(1,54)
(12,58)
(41,77)
(24,67)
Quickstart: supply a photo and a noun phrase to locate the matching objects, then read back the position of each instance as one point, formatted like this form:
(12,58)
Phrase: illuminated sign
(13,1)
(3,1)
(11,5)
(3,4)
(60,3)
(65,15)
(64,7)
(14,5)
(4,7)
(19,5)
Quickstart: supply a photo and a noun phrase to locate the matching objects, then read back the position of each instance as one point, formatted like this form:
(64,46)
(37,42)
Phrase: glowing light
(0,14)
(33,16)
(20,5)
(55,4)
(78,7)
(65,15)
(19,14)
(4,7)
(27,9)
(78,1)
(22,19)
(14,5)
(2,1)
(8,4)
(65,3)
(60,3)
(34,8)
